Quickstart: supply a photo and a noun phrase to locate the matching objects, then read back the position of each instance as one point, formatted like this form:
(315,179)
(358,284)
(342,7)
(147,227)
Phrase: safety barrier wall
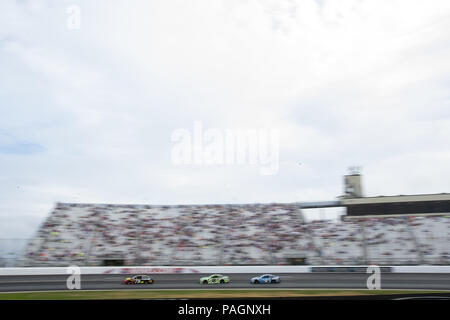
(218,269)
(421,269)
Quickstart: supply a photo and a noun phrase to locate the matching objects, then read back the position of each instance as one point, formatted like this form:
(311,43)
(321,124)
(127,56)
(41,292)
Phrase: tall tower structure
(352,183)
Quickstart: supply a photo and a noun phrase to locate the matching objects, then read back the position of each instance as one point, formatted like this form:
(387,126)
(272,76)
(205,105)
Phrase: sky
(91,93)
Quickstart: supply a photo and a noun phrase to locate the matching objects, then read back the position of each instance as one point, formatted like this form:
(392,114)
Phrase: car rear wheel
(222,281)
(205,282)
(256,281)
(273,281)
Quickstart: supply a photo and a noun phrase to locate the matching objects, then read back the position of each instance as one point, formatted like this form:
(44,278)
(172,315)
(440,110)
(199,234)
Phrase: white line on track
(423,297)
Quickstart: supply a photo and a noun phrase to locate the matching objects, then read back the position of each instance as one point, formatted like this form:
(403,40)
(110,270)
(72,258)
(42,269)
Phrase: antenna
(354,170)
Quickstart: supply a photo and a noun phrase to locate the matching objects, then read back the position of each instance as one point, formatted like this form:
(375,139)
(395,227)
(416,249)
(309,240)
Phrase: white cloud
(358,82)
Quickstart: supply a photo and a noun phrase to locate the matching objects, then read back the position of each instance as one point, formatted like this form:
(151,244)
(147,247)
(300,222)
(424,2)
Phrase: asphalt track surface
(332,280)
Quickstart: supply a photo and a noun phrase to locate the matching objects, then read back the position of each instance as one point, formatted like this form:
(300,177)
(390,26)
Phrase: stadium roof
(320,204)
(398,198)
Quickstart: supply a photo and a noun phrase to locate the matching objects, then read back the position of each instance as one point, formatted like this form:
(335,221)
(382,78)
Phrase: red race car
(141,279)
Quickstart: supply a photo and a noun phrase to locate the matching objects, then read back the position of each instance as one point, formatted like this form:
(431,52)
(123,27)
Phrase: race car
(265,278)
(214,278)
(140,279)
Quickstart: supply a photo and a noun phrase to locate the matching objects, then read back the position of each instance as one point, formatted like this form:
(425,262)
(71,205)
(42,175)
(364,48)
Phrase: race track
(333,280)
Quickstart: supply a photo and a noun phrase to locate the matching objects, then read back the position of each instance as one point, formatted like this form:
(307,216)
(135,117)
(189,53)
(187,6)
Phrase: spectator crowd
(250,234)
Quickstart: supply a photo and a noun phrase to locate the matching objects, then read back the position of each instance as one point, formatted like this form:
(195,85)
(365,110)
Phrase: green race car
(215,278)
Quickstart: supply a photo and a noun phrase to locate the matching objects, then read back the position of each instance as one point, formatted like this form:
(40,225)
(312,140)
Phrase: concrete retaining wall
(211,269)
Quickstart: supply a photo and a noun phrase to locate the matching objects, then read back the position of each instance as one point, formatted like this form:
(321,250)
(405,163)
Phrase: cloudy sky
(87,114)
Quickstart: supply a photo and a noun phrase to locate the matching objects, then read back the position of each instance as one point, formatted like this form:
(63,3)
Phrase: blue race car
(265,278)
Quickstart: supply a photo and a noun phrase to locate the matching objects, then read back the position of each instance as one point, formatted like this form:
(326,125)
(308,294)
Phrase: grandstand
(253,234)
(95,234)
(400,230)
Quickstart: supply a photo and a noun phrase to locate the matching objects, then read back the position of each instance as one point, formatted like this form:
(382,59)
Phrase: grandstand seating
(433,237)
(339,242)
(251,234)
(389,240)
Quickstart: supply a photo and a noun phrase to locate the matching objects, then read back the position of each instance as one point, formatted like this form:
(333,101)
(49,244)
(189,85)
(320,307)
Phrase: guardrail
(219,269)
